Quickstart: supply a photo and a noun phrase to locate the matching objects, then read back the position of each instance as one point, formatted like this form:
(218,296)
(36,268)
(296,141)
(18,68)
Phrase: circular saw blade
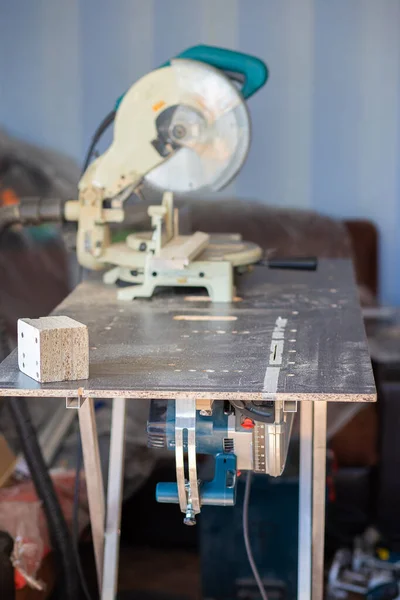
(218,141)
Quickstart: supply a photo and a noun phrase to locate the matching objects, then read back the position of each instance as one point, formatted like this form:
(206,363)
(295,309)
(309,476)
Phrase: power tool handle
(253,69)
(295,263)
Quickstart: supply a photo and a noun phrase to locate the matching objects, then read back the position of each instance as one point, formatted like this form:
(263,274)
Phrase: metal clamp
(188,491)
(271,440)
(75,403)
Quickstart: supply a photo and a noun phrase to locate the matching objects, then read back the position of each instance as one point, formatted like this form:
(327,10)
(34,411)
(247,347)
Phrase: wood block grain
(53,349)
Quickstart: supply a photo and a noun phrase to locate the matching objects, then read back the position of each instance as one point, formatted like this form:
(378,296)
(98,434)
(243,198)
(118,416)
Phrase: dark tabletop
(145,349)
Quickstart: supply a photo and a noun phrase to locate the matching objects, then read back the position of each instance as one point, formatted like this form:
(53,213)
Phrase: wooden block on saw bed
(53,349)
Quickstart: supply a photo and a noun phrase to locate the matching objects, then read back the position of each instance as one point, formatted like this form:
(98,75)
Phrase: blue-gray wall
(326,127)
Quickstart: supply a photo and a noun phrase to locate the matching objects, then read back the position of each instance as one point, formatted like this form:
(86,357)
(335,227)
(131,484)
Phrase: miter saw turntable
(164,258)
(182,128)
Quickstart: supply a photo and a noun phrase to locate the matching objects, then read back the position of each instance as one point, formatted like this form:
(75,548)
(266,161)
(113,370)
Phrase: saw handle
(293,264)
(253,69)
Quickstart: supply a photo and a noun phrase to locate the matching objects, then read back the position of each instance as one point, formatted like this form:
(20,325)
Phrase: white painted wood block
(53,349)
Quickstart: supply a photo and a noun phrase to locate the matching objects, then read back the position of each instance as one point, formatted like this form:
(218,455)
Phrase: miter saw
(182,128)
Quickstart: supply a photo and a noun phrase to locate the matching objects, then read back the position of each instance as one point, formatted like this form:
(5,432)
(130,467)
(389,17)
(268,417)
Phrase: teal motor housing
(253,70)
(249,70)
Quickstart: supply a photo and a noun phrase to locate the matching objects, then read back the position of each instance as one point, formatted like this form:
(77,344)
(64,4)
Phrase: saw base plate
(213,269)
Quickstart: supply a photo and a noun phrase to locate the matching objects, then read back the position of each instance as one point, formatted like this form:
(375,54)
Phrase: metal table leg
(305,502)
(318,502)
(94,481)
(114,500)
(312,500)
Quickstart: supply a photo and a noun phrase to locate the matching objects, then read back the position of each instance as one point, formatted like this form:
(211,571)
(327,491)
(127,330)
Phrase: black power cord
(246,537)
(106,122)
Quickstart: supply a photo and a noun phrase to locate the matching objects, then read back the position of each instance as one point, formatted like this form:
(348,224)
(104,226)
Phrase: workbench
(180,345)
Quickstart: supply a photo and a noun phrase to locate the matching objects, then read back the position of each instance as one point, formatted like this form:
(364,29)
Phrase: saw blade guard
(182,128)
(209,127)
